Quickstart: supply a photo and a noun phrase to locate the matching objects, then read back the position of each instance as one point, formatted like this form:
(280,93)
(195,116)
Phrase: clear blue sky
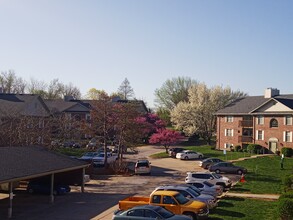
(247,45)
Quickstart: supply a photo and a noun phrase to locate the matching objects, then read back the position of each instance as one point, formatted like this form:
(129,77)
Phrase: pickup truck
(170,200)
(100,158)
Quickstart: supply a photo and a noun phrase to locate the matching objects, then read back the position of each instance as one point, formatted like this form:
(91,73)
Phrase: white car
(100,158)
(142,167)
(210,177)
(189,154)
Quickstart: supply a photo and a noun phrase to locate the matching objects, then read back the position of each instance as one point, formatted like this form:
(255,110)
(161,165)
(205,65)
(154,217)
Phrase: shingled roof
(22,104)
(20,163)
(247,104)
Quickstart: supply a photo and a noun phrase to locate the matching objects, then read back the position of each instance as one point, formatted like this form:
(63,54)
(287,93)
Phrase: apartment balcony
(246,139)
(246,123)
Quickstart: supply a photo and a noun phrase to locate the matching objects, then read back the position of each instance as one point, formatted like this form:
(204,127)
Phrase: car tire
(239,172)
(200,156)
(186,158)
(217,171)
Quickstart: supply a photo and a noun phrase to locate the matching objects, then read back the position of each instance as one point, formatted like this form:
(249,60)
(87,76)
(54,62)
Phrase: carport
(25,163)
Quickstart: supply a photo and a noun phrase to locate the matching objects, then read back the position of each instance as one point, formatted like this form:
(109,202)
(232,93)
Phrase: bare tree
(126,90)
(10,83)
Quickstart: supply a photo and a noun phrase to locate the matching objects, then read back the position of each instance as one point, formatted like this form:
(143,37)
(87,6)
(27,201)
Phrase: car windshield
(194,188)
(193,193)
(181,199)
(164,212)
(208,184)
(217,176)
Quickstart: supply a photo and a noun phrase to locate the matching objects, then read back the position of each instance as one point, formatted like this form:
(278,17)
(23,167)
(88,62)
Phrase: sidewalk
(251,157)
(253,196)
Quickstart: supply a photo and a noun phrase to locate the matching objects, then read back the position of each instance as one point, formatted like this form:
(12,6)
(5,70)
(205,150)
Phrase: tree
(173,91)
(126,90)
(165,137)
(10,83)
(95,94)
(197,114)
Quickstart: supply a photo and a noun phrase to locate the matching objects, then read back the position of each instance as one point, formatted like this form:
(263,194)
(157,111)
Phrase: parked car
(199,190)
(142,167)
(72,144)
(189,154)
(146,212)
(45,188)
(189,193)
(173,151)
(206,163)
(227,167)
(99,160)
(88,156)
(210,177)
(208,188)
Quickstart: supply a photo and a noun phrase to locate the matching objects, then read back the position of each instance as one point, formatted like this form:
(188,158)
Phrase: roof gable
(272,106)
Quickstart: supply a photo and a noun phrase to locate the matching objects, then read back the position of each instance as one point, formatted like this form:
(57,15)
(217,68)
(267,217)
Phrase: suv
(188,192)
(174,151)
(142,167)
(210,177)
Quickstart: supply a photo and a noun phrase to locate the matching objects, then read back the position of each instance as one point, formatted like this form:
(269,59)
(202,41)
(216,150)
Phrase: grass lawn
(208,152)
(264,175)
(242,208)
(76,152)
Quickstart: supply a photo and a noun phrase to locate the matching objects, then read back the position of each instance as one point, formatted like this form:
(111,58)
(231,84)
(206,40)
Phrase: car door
(169,203)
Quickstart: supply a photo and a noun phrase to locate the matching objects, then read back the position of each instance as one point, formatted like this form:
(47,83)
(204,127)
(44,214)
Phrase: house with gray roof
(262,120)
(22,119)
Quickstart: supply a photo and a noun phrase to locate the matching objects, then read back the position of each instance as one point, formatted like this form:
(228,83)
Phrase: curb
(106,215)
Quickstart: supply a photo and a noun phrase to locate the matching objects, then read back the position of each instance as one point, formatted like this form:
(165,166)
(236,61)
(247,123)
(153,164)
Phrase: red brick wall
(273,132)
(222,125)
(268,132)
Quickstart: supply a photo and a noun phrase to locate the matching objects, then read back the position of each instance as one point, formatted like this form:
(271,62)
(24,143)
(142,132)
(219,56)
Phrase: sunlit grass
(242,208)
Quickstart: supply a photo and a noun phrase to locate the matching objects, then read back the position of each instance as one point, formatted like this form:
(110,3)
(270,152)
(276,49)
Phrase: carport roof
(20,163)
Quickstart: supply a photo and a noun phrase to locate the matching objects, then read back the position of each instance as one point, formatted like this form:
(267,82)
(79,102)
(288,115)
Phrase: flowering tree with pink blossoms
(165,137)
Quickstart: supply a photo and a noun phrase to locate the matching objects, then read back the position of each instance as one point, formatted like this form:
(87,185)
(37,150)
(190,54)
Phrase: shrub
(278,152)
(288,152)
(253,148)
(213,147)
(287,182)
(237,148)
(285,208)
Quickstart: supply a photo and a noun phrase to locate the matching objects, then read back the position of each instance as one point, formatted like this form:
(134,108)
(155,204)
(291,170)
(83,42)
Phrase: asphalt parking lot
(102,193)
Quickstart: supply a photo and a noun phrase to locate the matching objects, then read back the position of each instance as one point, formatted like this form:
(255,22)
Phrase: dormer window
(273,123)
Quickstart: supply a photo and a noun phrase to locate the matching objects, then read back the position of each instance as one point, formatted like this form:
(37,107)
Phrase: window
(260,120)
(150,214)
(156,199)
(229,132)
(229,118)
(168,200)
(288,120)
(259,135)
(136,212)
(287,136)
(273,123)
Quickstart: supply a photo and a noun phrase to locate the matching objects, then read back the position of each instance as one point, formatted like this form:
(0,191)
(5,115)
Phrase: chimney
(271,92)
(68,98)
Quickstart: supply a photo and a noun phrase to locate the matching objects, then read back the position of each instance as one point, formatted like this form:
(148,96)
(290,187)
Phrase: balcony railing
(246,123)
(247,139)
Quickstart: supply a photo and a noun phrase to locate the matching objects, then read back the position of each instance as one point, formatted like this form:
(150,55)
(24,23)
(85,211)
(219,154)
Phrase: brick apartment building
(263,120)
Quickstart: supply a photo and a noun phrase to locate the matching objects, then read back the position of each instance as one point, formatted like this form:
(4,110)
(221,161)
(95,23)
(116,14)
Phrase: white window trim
(262,135)
(285,120)
(260,122)
(284,136)
(229,117)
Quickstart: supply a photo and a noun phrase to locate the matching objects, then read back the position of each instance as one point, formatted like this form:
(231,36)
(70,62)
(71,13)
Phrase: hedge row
(285,205)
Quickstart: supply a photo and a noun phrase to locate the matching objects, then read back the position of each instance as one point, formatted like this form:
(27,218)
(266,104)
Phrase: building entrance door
(273,146)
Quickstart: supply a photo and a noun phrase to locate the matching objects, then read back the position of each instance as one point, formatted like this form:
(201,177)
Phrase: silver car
(208,188)
(191,194)
(147,212)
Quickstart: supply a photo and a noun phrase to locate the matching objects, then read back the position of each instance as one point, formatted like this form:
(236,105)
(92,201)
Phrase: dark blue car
(44,188)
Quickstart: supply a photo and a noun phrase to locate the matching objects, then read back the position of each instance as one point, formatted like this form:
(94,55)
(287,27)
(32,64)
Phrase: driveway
(102,193)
